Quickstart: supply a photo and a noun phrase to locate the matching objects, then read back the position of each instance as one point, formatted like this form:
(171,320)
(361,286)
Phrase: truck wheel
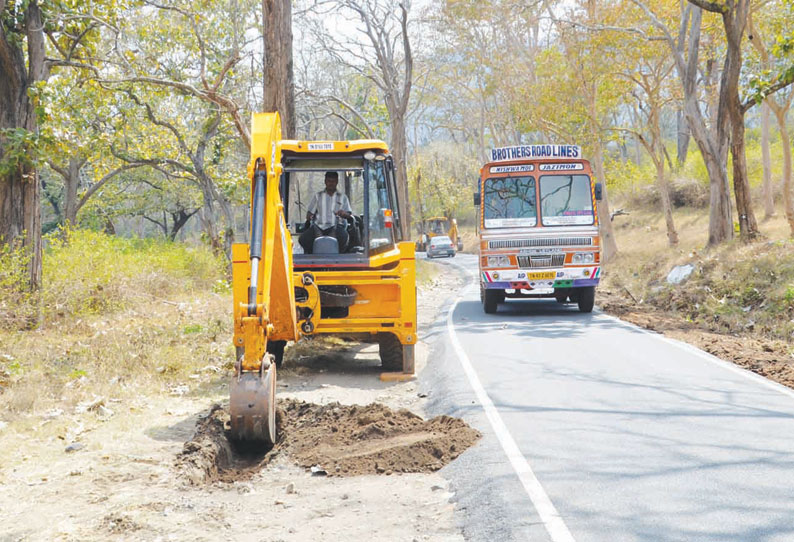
(586,299)
(491,300)
(391,352)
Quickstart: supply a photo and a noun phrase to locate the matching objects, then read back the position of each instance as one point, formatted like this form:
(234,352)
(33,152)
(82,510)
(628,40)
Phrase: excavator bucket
(252,406)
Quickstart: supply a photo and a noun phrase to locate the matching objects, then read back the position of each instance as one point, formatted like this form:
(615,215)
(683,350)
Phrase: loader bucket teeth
(252,406)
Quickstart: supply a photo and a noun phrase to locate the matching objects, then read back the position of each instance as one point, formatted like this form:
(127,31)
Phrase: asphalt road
(597,431)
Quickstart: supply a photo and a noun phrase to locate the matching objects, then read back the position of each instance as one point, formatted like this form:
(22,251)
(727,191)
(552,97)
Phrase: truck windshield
(509,201)
(565,200)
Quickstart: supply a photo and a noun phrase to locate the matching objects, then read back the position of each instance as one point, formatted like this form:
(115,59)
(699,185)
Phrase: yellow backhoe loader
(438,225)
(361,286)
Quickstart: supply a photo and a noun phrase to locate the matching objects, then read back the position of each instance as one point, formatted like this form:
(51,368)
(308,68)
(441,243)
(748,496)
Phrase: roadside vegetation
(116,318)
(740,288)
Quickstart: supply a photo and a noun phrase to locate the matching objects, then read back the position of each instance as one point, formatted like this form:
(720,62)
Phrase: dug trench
(328,440)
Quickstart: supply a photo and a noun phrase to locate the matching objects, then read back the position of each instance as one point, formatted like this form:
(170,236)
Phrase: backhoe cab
(363,288)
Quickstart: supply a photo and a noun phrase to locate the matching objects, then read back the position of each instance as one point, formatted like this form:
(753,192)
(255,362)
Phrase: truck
(364,288)
(537,226)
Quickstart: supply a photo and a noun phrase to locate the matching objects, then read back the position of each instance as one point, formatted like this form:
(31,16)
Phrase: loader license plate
(542,275)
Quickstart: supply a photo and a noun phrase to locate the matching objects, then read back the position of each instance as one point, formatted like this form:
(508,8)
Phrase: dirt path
(121,482)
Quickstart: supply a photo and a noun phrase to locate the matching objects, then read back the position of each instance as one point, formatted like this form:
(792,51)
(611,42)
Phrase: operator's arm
(346,211)
(311,210)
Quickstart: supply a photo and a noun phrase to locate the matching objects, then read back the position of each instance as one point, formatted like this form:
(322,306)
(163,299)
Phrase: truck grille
(546,260)
(542,242)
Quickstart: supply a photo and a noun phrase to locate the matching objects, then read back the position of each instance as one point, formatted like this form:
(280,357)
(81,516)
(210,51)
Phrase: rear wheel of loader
(252,406)
(391,352)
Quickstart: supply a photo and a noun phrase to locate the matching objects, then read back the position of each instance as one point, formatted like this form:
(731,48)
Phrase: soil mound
(333,440)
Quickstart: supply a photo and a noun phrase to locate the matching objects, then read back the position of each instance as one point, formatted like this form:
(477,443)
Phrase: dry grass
(119,319)
(736,288)
(155,347)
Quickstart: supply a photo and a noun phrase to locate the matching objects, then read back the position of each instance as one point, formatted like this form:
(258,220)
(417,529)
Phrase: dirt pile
(333,440)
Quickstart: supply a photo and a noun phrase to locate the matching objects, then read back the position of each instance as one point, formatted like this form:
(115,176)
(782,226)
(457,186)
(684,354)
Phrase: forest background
(131,117)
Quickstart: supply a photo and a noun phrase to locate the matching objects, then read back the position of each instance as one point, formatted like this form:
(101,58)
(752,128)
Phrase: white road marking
(551,519)
(711,358)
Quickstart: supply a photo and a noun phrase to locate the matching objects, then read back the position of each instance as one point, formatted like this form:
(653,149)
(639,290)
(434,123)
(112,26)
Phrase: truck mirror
(599,191)
(476,199)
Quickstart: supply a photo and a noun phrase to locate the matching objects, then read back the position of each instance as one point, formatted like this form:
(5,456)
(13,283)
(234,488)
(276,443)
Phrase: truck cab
(538,226)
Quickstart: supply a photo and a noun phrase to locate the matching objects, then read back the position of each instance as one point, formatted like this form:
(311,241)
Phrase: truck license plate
(542,275)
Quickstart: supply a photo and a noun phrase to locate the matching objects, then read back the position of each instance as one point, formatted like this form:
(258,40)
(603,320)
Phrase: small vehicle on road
(441,245)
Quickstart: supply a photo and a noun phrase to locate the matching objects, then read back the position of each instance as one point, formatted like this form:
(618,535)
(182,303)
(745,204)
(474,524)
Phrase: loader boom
(263,289)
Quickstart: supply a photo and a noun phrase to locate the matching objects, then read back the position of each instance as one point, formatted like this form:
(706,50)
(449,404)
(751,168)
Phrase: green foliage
(17,304)
(87,272)
(627,175)
(14,261)
(21,150)
(441,183)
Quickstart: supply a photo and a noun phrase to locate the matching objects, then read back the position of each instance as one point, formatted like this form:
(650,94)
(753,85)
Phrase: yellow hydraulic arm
(262,278)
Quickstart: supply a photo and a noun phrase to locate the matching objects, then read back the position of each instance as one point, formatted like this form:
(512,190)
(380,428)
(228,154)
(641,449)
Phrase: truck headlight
(498,261)
(583,257)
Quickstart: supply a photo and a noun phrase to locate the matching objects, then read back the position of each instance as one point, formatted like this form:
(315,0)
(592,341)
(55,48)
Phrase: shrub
(89,272)
(17,305)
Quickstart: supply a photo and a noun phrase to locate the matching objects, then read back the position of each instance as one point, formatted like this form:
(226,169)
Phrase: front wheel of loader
(252,406)
(277,349)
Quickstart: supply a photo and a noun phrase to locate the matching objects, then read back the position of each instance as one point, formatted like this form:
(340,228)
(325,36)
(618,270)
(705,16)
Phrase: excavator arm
(262,280)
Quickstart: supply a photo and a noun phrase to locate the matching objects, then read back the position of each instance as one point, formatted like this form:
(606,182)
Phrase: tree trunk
(179,219)
(661,180)
(785,140)
(71,183)
(279,89)
(720,223)
(20,212)
(608,243)
(683,136)
(769,198)
(399,150)
(667,207)
(731,111)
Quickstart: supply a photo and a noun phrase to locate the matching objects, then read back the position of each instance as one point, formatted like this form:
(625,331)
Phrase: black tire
(491,300)
(586,299)
(391,352)
(277,349)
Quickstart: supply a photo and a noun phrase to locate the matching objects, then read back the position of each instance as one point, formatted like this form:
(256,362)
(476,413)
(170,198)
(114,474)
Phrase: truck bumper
(519,279)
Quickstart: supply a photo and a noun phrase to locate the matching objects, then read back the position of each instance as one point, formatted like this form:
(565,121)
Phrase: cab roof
(328,147)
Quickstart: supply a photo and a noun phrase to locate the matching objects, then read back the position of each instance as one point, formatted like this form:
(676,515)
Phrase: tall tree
(730,115)
(68,30)
(20,72)
(779,104)
(381,52)
(713,146)
(279,88)
(591,82)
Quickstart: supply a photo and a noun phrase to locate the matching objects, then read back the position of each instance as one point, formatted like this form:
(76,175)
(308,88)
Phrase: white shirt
(324,206)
